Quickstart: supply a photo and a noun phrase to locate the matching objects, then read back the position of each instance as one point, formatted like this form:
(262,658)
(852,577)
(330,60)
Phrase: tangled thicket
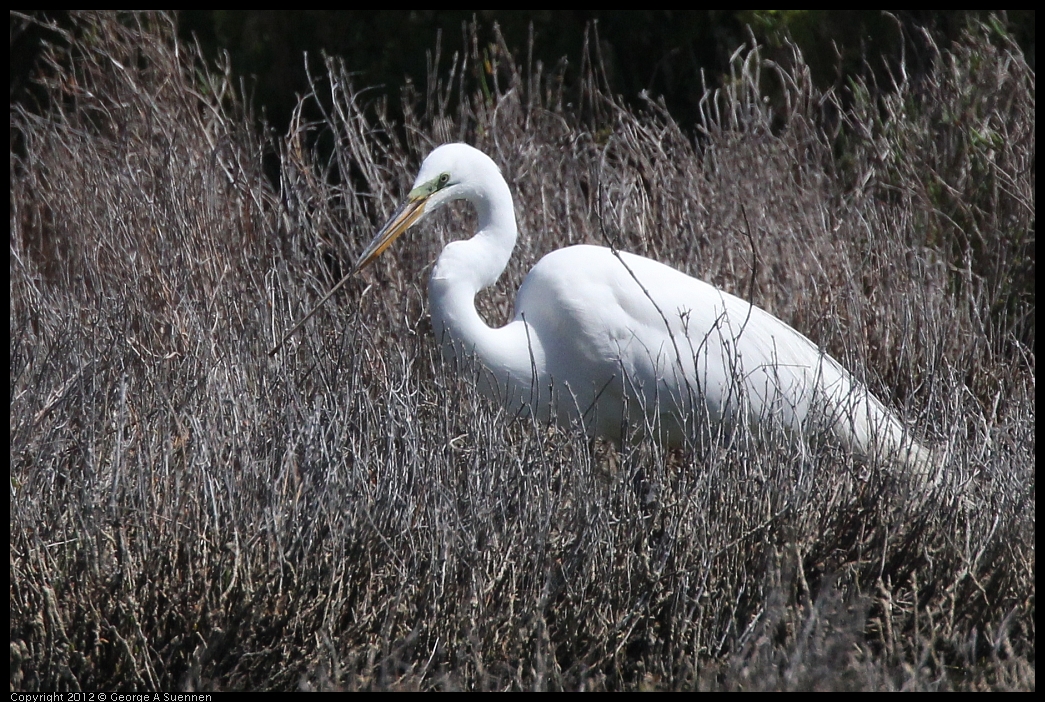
(188,513)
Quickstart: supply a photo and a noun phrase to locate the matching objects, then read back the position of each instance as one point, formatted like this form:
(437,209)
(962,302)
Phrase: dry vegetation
(187,512)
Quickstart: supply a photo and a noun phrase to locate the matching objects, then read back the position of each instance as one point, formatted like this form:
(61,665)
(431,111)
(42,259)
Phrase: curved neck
(466,267)
(484,257)
(462,270)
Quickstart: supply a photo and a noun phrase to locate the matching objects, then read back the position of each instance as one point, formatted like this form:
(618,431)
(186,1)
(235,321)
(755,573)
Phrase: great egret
(609,339)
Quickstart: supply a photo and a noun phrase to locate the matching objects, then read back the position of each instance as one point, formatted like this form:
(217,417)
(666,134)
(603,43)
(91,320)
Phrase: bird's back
(623,334)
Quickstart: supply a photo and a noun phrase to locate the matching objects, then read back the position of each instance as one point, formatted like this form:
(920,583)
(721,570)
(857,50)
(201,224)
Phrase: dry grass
(188,513)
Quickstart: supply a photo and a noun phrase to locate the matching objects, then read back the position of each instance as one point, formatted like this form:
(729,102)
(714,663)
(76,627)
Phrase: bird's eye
(444,179)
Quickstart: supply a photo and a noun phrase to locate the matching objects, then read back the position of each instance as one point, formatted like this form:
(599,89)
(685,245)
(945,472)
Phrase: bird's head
(450,172)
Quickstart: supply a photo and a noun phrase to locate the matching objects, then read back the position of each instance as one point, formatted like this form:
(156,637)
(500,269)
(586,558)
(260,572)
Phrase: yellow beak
(404,218)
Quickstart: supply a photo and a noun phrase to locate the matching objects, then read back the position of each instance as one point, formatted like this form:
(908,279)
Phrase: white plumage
(611,339)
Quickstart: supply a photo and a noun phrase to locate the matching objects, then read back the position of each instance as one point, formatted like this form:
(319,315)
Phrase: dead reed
(188,513)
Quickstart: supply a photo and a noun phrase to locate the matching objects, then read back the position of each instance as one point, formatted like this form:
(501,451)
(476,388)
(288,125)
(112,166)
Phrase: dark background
(670,55)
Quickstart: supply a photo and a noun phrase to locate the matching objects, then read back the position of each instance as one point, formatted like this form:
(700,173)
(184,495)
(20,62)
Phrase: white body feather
(608,340)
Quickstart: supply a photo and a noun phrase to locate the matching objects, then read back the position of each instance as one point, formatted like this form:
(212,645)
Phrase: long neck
(466,267)
(483,258)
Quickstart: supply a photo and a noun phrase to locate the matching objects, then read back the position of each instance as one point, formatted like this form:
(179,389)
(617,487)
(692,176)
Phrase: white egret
(609,339)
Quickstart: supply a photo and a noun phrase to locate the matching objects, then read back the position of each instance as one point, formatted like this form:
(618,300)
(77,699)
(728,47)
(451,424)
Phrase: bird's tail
(868,428)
